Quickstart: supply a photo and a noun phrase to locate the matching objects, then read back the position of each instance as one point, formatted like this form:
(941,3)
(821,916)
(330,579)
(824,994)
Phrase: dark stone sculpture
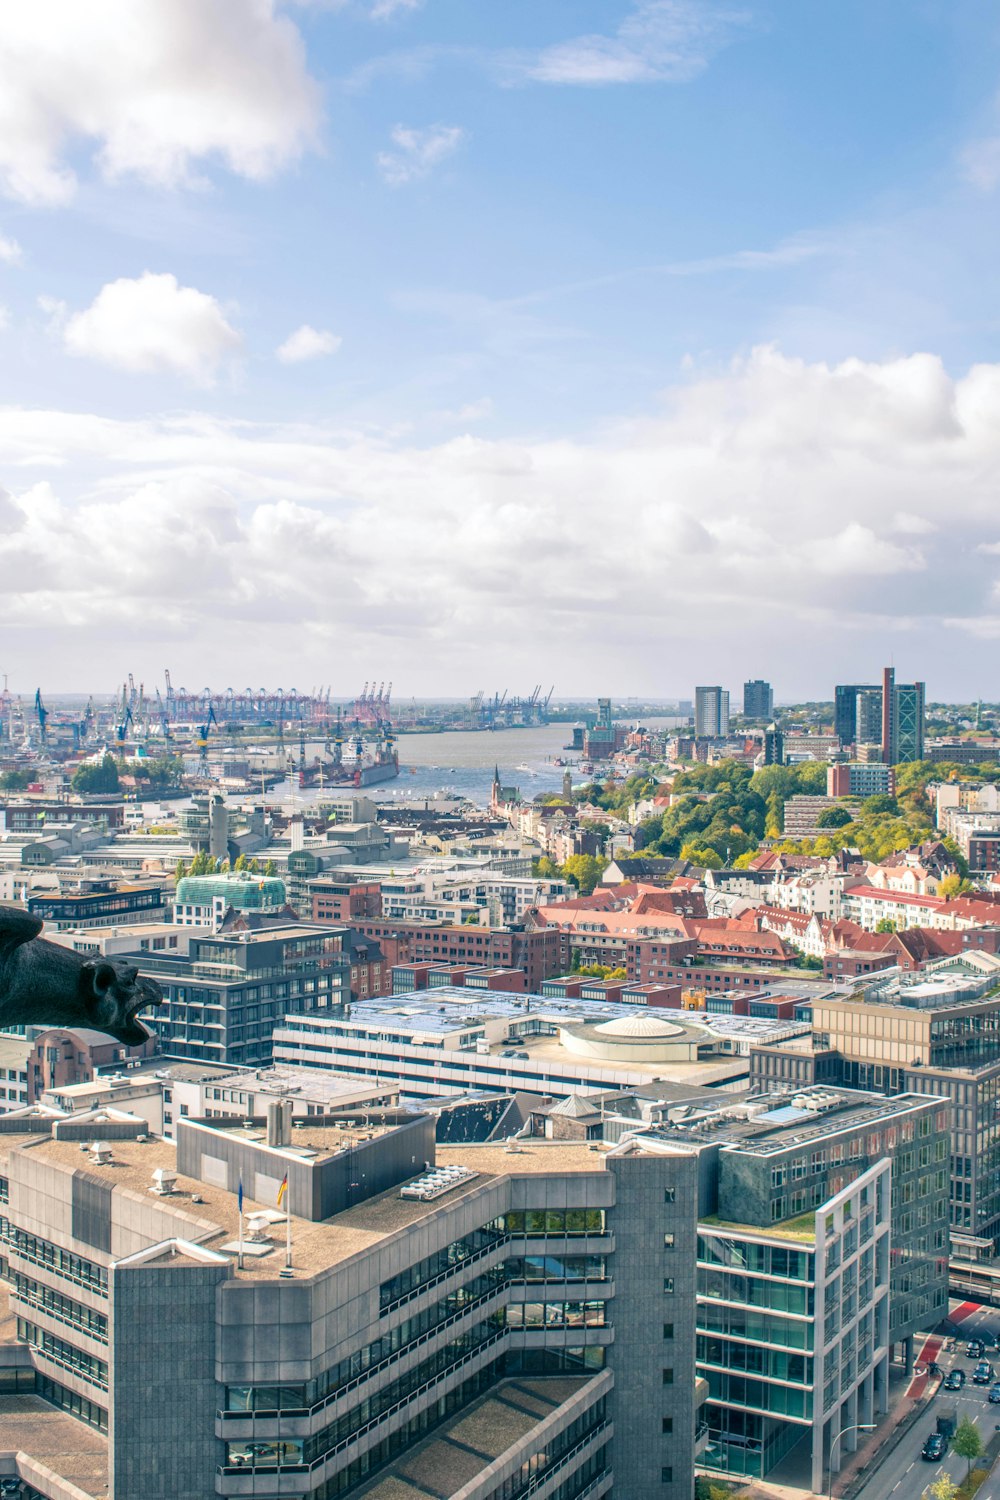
(43,984)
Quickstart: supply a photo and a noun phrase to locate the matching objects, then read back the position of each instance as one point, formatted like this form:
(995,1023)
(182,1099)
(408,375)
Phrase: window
(669,1195)
(668,1424)
(668,1240)
(668,1330)
(667,1474)
(668,1283)
(668,1375)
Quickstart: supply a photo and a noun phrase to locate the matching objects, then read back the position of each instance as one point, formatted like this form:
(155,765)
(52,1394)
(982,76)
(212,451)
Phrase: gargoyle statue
(43,984)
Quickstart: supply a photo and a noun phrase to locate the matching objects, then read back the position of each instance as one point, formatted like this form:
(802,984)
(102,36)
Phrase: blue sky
(640,342)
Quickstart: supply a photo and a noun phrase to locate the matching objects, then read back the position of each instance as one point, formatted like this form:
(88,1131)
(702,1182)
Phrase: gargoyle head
(112,993)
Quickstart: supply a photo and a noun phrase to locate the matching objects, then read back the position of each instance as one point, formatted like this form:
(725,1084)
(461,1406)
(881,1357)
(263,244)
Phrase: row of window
(557,1315)
(35,1294)
(316,1447)
(530,1222)
(314,1393)
(76,1268)
(95,1371)
(756,1257)
(71,1401)
(557,1268)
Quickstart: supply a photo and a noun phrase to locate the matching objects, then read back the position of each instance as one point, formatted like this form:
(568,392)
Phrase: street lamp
(855,1427)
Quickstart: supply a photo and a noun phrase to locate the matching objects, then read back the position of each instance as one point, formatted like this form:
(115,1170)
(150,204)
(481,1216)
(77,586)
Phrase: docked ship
(355,761)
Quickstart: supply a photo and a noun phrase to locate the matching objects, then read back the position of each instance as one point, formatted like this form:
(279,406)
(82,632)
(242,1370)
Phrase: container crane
(42,712)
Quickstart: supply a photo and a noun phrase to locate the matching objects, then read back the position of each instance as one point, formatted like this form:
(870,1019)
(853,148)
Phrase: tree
(944,1488)
(584,870)
(834,817)
(15,781)
(953,885)
(885,925)
(270,868)
(99,778)
(700,855)
(545,868)
(967,1442)
(255,866)
(241,862)
(180,870)
(880,803)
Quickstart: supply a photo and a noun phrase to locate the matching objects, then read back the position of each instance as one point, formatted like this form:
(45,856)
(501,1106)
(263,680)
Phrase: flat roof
(67,1446)
(458,1451)
(316,1246)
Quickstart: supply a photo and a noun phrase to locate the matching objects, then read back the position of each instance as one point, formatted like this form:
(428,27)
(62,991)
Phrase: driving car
(954,1380)
(983,1373)
(995,1395)
(974,1349)
(934,1448)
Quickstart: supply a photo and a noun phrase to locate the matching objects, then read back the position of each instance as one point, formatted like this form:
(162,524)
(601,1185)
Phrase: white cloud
(4,317)
(980,163)
(152,323)
(307,343)
(418,152)
(157,87)
(762,504)
(660,41)
(10,251)
(384,10)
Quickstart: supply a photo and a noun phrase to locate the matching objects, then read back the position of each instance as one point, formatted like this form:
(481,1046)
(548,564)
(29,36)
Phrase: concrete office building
(711,712)
(225,996)
(447,1041)
(758,700)
(461,1322)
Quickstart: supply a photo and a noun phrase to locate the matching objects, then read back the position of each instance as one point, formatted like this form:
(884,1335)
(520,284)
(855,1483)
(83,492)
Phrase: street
(904,1475)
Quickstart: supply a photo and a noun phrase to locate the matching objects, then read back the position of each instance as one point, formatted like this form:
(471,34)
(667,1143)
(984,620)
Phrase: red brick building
(344,900)
(536,954)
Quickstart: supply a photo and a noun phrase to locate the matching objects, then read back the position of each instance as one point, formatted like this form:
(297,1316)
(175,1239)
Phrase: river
(462,764)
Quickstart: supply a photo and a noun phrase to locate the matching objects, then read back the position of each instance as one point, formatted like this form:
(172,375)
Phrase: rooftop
(475,1437)
(214,1220)
(68,1447)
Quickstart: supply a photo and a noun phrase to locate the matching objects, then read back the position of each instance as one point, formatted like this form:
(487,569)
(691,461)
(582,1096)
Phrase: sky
(616,344)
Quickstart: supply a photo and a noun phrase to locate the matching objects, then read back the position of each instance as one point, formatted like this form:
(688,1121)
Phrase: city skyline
(357,344)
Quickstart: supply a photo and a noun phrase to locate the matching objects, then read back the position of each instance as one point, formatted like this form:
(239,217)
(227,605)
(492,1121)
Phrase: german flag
(283,1190)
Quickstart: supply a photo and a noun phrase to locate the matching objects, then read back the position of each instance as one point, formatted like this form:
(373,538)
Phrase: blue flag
(239,1194)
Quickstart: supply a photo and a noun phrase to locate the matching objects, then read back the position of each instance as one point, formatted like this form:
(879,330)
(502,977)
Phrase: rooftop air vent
(164,1181)
(100,1152)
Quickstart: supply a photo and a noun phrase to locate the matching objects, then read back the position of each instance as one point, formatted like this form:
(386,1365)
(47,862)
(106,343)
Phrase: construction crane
(204,730)
(164,720)
(127,722)
(42,712)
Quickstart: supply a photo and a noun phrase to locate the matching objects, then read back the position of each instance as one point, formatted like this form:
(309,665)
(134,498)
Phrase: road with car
(971,1388)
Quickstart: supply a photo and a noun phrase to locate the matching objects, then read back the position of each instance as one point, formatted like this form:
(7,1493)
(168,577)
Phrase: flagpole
(239,1257)
(288,1235)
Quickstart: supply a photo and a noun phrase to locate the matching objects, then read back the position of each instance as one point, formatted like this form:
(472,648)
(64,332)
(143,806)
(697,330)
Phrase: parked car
(954,1380)
(983,1373)
(974,1349)
(995,1395)
(934,1448)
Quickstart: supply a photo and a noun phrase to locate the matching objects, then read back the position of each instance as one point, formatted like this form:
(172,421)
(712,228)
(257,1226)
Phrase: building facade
(502,1325)
(758,700)
(223,999)
(711,712)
